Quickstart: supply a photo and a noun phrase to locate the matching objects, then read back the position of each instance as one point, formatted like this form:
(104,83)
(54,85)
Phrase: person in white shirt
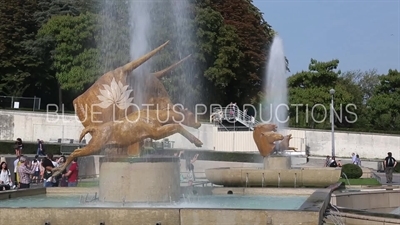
(5,177)
(353,158)
(15,170)
(36,164)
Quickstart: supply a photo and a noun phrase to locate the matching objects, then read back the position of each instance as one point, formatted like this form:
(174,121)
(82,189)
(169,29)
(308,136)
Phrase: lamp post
(332,92)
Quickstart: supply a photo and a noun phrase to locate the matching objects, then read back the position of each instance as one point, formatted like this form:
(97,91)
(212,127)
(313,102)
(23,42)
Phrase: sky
(362,34)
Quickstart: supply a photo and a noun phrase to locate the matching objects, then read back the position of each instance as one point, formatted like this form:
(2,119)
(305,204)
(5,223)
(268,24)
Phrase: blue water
(204,202)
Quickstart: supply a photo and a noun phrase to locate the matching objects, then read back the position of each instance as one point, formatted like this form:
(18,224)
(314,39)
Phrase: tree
(17,27)
(310,89)
(50,8)
(384,105)
(254,40)
(366,80)
(74,55)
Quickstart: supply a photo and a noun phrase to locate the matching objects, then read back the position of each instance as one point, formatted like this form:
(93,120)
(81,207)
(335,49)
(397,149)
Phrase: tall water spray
(184,36)
(140,23)
(276,91)
(145,18)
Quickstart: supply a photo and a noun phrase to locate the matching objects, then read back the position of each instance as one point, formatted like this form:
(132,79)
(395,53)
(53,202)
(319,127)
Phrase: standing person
(18,147)
(358,160)
(353,158)
(36,164)
(16,161)
(252,121)
(25,171)
(41,169)
(190,168)
(389,164)
(48,166)
(5,177)
(327,161)
(72,173)
(63,180)
(40,148)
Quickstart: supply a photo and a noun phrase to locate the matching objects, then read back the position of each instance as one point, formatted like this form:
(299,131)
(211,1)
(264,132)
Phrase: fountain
(276,90)
(147,190)
(277,169)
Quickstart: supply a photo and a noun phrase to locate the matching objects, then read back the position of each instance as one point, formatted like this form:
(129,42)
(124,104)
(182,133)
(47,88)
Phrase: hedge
(352,171)
(7,147)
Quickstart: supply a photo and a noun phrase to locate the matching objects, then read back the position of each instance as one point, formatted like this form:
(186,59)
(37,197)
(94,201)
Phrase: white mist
(276,91)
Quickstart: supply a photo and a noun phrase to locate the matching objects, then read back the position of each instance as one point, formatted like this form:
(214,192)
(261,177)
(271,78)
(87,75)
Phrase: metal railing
(233,113)
(12,102)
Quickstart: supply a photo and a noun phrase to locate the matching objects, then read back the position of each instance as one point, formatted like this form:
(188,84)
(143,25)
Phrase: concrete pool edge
(83,216)
(310,212)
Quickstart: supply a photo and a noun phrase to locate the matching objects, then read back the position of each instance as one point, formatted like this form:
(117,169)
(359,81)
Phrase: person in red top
(72,174)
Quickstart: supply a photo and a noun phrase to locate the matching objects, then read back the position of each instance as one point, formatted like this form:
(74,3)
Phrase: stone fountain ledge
(264,191)
(250,177)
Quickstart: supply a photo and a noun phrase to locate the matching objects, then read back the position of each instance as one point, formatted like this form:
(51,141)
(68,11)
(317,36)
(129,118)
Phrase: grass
(92,183)
(361,181)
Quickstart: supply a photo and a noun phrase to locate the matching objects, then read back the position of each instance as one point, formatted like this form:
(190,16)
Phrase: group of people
(38,170)
(27,172)
(332,162)
(389,164)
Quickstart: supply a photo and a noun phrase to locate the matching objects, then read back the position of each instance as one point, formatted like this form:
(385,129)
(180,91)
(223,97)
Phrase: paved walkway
(381,177)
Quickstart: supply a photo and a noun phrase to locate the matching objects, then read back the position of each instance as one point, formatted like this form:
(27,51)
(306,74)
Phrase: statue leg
(133,149)
(170,129)
(99,140)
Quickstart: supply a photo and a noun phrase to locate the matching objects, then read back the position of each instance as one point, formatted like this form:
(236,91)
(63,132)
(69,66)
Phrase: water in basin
(206,202)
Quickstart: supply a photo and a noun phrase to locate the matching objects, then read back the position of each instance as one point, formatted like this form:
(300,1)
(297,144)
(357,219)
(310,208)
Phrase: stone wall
(32,125)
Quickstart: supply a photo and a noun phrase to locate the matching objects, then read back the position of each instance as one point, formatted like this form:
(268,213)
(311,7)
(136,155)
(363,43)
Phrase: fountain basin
(248,177)
(256,206)
(145,179)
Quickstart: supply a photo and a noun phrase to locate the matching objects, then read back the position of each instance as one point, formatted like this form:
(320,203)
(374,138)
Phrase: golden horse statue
(264,136)
(107,105)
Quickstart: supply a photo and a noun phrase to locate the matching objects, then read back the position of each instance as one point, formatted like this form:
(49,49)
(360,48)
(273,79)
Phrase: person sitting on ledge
(333,162)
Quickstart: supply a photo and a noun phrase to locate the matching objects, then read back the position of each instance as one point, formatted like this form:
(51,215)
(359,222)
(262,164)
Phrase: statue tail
(88,129)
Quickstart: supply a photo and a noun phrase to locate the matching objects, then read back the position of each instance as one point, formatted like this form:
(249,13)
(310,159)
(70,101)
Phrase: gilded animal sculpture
(137,126)
(265,136)
(110,99)
(284,144)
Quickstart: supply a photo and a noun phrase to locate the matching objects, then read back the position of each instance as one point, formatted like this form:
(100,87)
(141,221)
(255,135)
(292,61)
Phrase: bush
(397,168)
(352,171)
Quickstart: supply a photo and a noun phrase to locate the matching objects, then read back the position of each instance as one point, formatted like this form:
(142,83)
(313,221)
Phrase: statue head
(265,140)
(271,137)
(288,137)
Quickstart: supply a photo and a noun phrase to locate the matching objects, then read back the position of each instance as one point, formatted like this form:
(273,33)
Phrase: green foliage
(384,105)
(17,28)
(397,168)
(310,91)
(7,147)
(219,47)
(254,35)
(352,171)
(75,56)
(361,181)
(55,49)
